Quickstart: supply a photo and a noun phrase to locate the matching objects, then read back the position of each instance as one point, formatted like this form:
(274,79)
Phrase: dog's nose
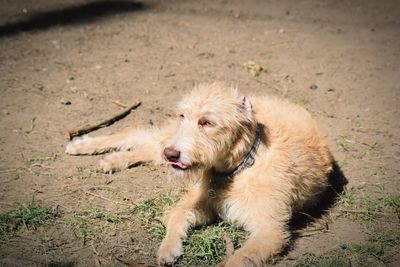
(171,153)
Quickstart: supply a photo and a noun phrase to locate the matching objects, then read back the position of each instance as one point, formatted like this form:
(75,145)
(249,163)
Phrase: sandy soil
(62,63)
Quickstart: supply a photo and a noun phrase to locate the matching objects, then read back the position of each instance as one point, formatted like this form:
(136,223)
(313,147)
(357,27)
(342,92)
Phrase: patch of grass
(343,143)
(369,253)
(310,259)
(85,173)
(374,251)
(81,225)
(392,201)
(369,249)
(302,100)
(29,215)
(83,221)
(94,212)
(372,150)
(204,246)
(253,68)
(388,238)
(368,208)
(44,158)
(152,210)
(362,254)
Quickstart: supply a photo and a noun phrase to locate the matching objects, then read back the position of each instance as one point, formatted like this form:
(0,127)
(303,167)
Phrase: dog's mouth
(179,165)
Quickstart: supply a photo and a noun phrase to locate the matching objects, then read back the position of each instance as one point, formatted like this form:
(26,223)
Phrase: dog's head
(215,126)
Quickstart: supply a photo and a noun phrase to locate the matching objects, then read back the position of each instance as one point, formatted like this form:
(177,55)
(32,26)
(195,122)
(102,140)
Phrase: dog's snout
(171,153)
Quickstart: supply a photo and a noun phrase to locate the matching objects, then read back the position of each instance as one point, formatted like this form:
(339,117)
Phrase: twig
(5,203)
(29,169)
(41,165)
(229,249)
(307,215)
(119,104)
(96,257)
(61,195)
(71,133)
(32,126)
(309,232)
(363,211)
(229,244)
(8,170)
(105,198)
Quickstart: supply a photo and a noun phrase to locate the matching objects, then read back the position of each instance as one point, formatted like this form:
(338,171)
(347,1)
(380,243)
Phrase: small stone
(38,86)
(66,102)
(313,87)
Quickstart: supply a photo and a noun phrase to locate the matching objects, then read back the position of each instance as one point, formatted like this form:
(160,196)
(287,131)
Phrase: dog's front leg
(191,211)
(123,159)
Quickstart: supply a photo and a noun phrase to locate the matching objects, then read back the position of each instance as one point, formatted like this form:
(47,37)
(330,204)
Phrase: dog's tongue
(179,164)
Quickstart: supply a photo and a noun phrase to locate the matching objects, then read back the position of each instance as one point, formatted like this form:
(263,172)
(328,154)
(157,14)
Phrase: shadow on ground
(74,15)
(301,219)
(337,183)
(61,264)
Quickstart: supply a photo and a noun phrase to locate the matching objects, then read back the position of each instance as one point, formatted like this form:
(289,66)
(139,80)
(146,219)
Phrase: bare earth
(339,59)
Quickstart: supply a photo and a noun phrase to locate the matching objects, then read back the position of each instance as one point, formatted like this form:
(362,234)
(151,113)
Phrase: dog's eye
(181,116)
(204,122)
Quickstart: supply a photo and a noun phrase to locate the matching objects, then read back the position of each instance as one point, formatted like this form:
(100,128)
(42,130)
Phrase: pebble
(66,102)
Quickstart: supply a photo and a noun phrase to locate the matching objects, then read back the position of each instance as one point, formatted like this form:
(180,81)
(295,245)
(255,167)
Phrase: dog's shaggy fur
(214,130)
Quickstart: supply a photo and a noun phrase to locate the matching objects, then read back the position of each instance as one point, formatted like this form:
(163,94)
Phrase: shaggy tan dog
(250,163)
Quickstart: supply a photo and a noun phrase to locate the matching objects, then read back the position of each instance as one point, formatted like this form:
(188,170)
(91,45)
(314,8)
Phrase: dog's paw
(169,252)
(80,146)
(111,163)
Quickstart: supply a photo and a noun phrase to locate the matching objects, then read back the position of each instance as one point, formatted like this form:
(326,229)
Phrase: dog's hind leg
(129,139)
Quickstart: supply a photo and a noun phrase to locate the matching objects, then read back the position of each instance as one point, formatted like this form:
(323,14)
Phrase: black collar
(248,160)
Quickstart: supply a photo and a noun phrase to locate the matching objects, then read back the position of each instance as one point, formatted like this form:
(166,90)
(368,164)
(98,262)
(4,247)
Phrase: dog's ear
(247,107)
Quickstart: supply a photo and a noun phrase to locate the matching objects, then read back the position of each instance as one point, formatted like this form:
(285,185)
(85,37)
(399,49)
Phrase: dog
(251,162)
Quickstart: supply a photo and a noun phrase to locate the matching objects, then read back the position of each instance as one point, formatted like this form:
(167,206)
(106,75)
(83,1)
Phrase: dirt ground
(62,63)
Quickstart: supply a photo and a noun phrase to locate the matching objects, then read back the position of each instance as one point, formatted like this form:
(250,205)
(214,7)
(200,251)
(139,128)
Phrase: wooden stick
(41,165)
(105,198)
(32,126)
(73,132)
(229,249)
(119,104)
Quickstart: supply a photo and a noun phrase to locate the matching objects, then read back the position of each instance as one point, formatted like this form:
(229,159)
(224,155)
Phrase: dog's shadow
(301,219)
